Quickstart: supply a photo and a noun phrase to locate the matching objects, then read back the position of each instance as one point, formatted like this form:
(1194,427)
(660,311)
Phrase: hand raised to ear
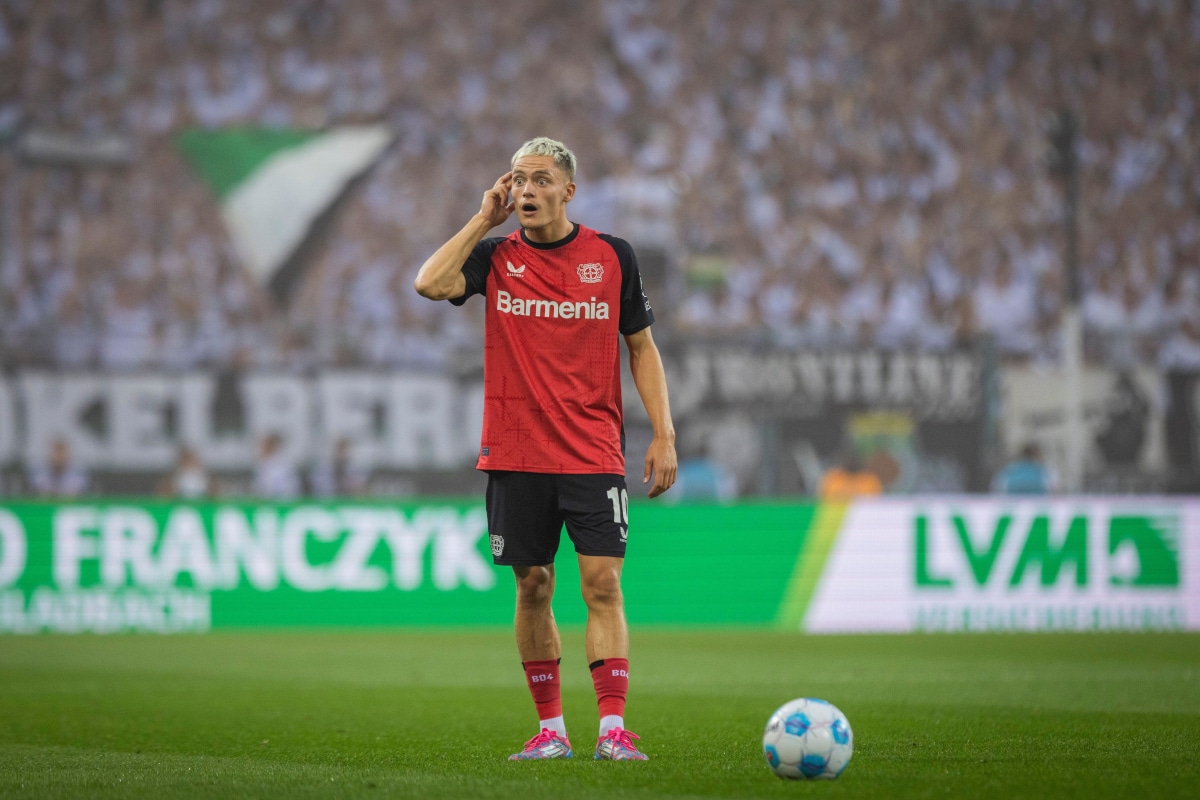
(497,204)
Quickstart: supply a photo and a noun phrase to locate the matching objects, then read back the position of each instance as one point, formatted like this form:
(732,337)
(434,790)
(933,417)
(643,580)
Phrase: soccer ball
(808,739)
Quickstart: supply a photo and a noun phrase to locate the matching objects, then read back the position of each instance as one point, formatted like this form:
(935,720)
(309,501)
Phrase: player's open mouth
(528,208)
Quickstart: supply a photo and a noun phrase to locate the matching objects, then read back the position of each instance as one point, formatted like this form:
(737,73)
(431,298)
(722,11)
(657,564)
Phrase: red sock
(542,677)
(610,676)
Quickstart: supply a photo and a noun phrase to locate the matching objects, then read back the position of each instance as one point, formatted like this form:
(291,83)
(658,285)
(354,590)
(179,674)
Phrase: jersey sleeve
(636,313)
(476,269)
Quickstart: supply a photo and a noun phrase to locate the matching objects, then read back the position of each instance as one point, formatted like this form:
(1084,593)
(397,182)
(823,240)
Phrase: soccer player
(558,294)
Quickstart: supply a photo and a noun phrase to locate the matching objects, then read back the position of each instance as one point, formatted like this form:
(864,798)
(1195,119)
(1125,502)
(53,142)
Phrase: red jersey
(552,366)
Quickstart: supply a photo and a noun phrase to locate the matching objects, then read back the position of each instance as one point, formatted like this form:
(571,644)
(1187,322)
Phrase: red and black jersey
(551,368)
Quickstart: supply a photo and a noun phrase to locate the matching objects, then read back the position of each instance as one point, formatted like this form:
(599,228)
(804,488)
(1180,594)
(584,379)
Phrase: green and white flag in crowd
(273,184)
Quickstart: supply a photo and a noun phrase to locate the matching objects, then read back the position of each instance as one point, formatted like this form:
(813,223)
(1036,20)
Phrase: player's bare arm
(645,363)
(440,277)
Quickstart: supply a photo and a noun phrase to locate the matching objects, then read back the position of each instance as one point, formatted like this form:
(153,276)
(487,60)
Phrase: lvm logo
(1048,550)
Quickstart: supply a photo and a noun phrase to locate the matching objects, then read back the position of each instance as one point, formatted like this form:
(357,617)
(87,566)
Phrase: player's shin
(543,680)
(610,676)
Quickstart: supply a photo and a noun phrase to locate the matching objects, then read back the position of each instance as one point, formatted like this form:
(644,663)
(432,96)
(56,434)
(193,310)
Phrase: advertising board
(951,563)
(954,564)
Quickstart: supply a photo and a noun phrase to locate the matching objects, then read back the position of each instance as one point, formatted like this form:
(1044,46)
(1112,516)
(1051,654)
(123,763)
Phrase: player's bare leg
(607,643)
(537,633)
(607,634)
(540,648)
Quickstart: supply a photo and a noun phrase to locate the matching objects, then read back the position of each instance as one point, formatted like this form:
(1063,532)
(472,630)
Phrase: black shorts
(526,512)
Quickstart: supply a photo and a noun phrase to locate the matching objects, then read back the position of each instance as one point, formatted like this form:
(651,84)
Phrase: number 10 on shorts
(620,501)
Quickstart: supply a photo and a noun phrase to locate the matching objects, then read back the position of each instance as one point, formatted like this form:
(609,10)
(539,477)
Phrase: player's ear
(569,192)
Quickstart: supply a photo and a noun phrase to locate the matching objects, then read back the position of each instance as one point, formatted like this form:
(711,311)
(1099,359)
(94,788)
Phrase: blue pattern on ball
(813,765)
(797,724)
(772,755)
(841,734)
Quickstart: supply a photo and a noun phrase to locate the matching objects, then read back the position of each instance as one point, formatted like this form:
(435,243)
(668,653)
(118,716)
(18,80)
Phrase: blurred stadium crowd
(815,174)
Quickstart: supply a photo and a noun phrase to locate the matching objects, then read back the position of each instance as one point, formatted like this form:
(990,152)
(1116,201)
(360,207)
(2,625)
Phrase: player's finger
(655,482)
(500,188)
(665,480)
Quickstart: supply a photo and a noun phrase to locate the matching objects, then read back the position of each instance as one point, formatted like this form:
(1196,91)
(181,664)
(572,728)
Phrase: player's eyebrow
(537,173)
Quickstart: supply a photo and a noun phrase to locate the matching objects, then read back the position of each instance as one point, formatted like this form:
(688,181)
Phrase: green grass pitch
(435,713)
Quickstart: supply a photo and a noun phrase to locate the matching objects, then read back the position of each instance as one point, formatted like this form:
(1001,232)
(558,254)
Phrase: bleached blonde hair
(564,159)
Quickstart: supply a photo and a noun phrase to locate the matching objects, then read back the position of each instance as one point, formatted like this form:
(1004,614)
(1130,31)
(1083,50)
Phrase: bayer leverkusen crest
(590,273)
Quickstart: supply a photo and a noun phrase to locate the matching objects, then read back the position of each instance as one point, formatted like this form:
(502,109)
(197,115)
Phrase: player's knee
(602,589)
(535,586)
